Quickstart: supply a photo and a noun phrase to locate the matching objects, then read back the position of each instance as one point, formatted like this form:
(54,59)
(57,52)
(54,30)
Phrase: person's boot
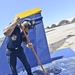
(30,74)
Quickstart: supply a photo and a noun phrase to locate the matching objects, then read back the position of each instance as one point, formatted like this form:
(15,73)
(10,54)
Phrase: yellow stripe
(29,12)
(61,48)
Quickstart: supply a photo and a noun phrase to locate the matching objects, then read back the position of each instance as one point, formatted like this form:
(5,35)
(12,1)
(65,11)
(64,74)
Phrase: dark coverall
(14,50)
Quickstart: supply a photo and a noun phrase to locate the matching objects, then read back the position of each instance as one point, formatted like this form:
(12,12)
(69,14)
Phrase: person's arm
(29,45)
(9,29)
(26,43)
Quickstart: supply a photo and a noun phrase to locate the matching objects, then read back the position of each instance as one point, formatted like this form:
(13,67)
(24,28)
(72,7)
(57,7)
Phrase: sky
(53,11)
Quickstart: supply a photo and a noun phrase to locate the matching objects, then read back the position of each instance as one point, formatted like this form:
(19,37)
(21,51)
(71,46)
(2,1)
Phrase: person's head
(26,26)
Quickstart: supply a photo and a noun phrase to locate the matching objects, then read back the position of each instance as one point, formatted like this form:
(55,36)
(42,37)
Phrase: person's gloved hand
(17,19)
(29,45)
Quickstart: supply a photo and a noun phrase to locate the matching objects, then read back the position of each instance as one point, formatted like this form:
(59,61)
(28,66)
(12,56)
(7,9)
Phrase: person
(14,48)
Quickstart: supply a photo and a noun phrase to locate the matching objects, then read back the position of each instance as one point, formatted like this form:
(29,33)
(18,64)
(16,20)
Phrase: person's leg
(23,59)
(12,60)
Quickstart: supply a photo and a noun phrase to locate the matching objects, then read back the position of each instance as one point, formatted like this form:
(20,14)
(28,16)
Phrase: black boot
(30,74)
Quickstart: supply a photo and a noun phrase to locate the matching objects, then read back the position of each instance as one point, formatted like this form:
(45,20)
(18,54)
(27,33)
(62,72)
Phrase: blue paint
(38,38)
(65,53)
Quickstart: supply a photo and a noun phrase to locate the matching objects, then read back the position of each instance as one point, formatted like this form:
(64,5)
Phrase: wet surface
(65,66)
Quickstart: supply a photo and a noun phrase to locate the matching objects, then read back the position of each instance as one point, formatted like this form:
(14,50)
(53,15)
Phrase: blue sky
(53,11)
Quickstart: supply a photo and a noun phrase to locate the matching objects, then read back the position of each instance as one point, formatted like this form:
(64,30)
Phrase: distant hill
(62,22)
